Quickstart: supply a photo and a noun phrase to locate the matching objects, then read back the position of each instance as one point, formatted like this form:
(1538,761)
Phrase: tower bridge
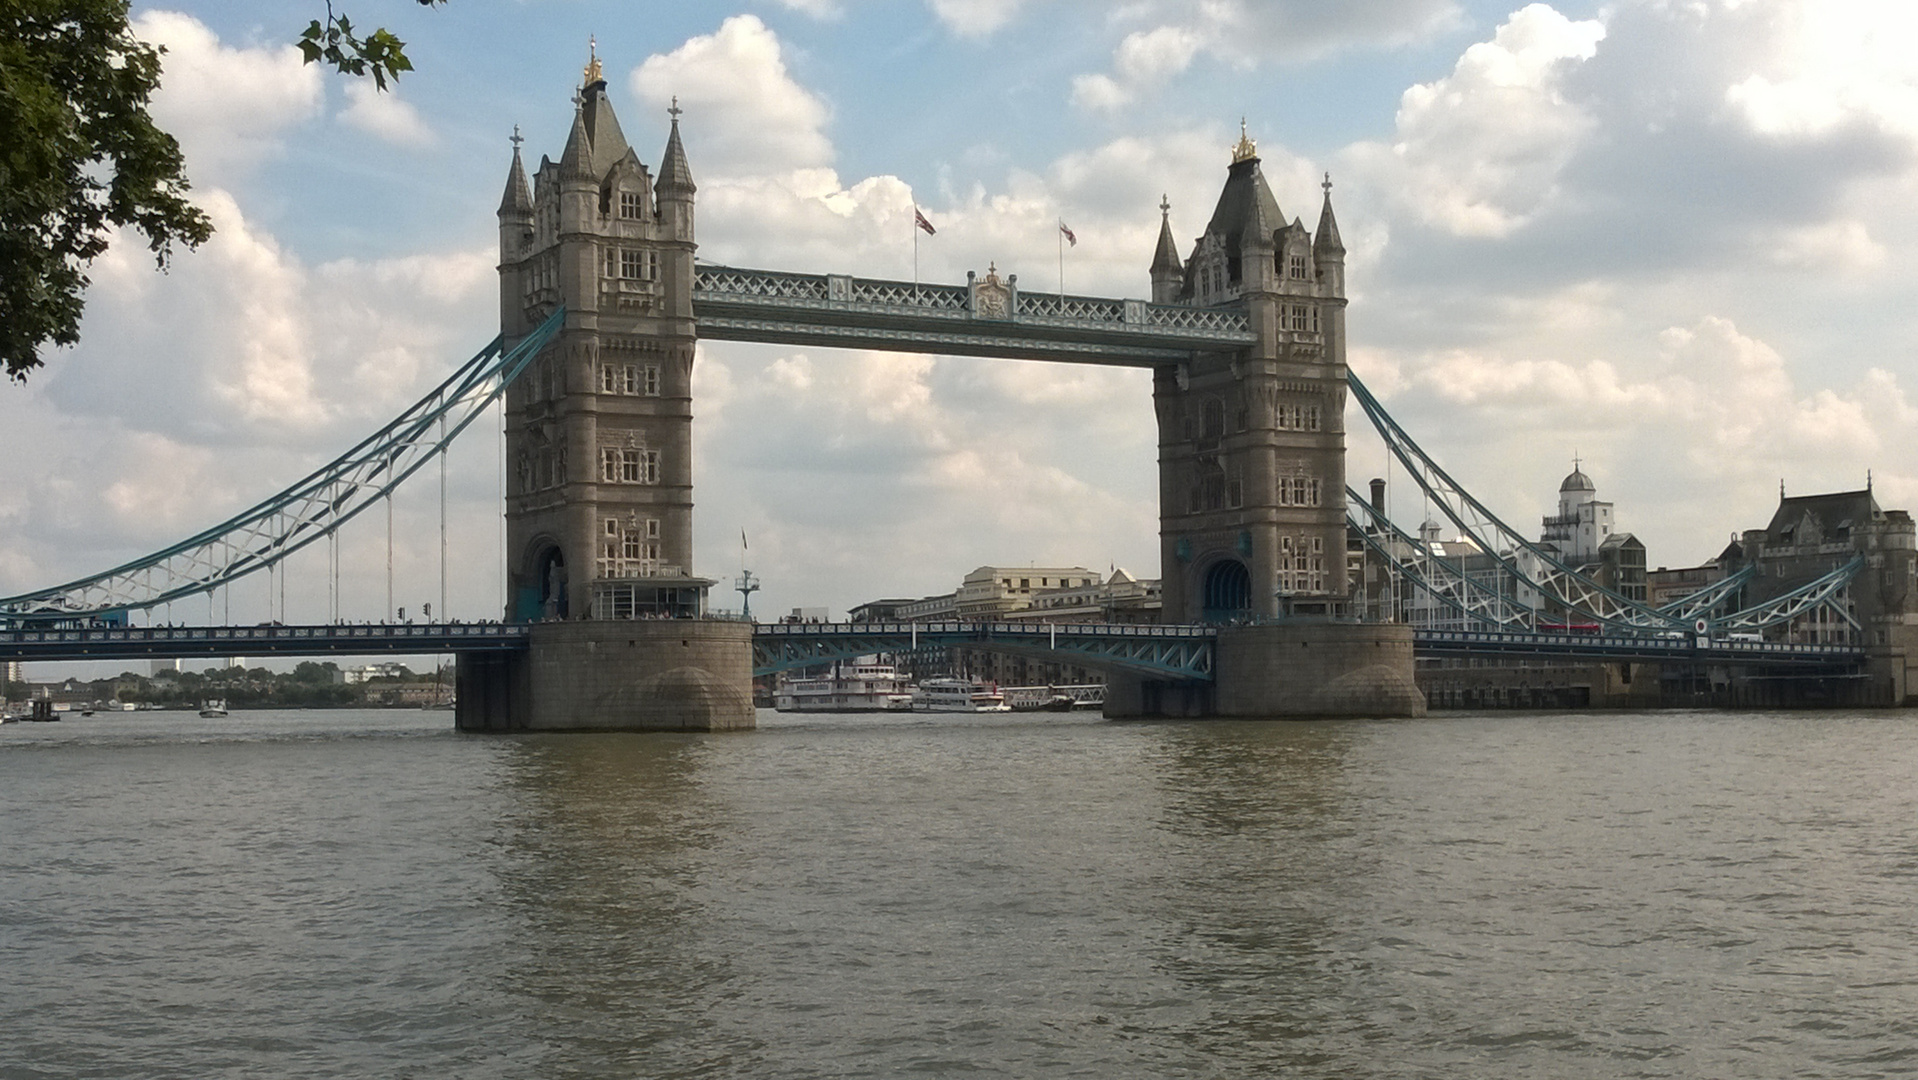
(606,626)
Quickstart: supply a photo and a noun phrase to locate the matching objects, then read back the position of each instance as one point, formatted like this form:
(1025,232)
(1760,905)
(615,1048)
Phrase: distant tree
(310,672)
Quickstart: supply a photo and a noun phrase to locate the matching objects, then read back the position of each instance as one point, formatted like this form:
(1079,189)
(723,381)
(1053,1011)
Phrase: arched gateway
(1245,338)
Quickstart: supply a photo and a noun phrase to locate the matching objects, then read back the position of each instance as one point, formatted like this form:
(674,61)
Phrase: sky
(1672,238)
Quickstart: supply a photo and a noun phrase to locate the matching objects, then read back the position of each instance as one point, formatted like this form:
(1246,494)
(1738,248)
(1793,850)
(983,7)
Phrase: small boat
(213,707)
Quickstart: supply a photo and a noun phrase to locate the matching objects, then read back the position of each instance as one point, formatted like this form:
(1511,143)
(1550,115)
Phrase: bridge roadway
(1183,652)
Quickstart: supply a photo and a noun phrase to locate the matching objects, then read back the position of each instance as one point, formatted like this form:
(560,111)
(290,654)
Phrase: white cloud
(818,9)
(385,116)
(1828,63)
(743,110)
(226,106)
(1479,152)
(1245,33)
(975,18)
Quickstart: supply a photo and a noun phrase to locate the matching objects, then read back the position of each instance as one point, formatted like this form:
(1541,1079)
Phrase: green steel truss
(305,512)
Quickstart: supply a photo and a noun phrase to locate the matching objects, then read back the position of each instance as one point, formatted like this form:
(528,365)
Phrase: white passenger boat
(958,695)
(855,687)
(213,707)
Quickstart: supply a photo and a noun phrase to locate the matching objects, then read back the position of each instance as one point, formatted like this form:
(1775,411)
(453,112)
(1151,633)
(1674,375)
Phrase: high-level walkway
(982,318)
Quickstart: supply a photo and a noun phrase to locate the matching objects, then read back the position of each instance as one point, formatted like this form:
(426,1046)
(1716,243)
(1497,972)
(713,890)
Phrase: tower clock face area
(599,427)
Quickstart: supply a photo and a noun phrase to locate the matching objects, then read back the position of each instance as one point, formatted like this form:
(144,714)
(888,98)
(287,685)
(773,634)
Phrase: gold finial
(1165,204)
(1327,185)
(675,110)
(1247,149)
(593,74)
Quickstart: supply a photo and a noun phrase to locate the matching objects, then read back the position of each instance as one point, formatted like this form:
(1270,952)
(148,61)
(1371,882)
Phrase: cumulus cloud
(385,116)
(227,107)
(1245,33)
(750,114)
(1480,151)
(975,18)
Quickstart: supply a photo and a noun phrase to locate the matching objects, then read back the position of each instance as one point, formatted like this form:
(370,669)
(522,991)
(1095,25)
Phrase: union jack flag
(1070,239)
(920,220)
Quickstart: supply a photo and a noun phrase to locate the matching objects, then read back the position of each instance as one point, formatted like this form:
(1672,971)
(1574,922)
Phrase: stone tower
(599,511)
(1252,445)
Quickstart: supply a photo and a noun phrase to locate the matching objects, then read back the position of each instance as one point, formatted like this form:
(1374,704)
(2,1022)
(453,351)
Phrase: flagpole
(1062,267)
(914,226)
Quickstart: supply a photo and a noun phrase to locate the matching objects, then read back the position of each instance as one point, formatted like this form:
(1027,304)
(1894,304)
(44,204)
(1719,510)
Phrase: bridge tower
(1252,445)
(599,500)
(1252,476)
(599,509)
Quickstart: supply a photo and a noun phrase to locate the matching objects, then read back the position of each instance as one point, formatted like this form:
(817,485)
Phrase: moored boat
(213,707)
(854,687)
(958,695)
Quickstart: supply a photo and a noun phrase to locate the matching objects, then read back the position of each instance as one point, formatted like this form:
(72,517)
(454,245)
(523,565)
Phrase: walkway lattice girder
(308,510)
(831,310)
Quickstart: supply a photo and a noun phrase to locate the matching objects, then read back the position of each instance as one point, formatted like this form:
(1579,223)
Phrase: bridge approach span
(1178,652)
(183,642)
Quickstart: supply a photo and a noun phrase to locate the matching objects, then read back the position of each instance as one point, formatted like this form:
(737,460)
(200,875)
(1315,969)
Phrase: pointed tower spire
(1168,271)
(1327,241)
(518,197)
(675,176)
(1167,255)
(576,161)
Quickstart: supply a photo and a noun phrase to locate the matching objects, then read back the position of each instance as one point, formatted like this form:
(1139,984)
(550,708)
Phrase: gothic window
(609,379)
(1211,492)
(1234,490)
(1297,267)
(652,381)
(1311,418)
(629,379)
(1299,491)
(1211,423)
(629,204)
(631,261)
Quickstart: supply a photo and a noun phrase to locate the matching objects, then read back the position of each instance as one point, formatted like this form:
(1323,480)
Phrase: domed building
(1583,536)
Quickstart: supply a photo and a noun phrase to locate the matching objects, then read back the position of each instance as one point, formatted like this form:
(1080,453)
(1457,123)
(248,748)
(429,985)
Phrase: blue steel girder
(1182,652)
(1439,577)
(1530,564)
(1826,591)
(309,510)
(831,310)
(1707,599)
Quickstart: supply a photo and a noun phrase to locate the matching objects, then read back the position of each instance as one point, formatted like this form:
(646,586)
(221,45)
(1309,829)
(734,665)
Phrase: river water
(370,894)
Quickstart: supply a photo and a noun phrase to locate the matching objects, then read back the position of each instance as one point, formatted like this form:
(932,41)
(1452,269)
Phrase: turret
(675,188)
(1167,270)
(674,192)
(1328,251)
(515,241)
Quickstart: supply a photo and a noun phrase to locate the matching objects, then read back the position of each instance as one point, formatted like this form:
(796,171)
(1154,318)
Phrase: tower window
(651,388)
(1296,267)
(629,204)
